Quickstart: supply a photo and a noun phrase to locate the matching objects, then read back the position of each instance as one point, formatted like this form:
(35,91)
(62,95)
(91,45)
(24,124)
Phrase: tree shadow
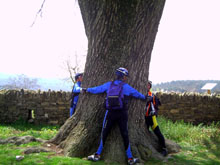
(213,145)
(209,154)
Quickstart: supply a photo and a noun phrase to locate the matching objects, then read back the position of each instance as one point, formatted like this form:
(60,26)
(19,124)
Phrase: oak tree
(120,34)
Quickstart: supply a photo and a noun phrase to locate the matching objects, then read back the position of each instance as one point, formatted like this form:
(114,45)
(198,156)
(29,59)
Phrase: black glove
(83,90)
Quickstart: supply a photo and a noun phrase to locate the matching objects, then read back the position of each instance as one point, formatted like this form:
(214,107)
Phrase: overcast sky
(186,46)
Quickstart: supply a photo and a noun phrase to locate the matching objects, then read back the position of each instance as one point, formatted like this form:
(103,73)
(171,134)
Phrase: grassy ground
(200,144)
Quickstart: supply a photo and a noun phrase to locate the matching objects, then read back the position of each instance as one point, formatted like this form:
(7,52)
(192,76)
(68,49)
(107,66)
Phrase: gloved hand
(83,90)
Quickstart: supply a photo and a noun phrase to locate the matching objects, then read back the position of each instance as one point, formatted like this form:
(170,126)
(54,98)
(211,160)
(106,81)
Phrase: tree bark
(120,33)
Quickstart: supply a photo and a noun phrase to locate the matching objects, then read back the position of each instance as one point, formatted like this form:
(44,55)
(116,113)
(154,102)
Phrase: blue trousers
(112,117)
(72,110)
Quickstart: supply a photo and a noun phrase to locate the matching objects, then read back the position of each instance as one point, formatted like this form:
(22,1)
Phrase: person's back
(117,115)
(115,96)
(127,89)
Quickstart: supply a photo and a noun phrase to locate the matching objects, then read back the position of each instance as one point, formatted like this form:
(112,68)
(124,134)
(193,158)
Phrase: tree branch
(40,12)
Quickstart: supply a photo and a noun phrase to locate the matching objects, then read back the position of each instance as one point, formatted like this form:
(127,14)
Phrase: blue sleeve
(129,91)
(99,89)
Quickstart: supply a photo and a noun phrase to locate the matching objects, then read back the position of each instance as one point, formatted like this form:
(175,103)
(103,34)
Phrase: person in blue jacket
(116,116)
(75,92)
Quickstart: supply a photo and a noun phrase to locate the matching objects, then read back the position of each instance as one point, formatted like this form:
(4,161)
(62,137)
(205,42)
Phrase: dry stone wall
(190,107)
(53,107)
(34,106)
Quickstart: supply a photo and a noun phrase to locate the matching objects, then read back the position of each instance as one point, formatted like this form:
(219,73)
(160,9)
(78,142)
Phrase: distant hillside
(64,85)
(186,86)
(44,83)
(55,84)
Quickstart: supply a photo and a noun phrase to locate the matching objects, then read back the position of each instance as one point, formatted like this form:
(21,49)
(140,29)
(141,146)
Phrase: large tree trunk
(120,33)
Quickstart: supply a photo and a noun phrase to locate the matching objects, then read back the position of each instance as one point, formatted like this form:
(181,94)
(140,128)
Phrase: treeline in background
(29,83)
(186,86)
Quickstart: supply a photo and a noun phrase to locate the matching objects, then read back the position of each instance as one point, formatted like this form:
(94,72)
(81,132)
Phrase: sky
(186,45)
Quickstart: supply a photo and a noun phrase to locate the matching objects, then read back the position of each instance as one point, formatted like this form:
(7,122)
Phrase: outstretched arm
(133,92)
(99,89)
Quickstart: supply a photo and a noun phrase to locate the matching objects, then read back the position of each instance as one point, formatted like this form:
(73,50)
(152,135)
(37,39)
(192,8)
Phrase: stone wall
(190,107)
(53,107)
(36,106)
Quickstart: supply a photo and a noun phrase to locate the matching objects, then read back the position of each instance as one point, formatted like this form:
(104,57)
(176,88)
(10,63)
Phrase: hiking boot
(132,161)
(94,157)
(164,152)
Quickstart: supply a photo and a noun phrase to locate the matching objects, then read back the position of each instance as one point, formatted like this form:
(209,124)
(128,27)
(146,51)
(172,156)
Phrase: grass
(23,129)
(200,144)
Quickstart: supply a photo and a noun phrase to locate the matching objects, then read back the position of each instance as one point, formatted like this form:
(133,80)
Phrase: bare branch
(72,66)
(70,71)
(40,12)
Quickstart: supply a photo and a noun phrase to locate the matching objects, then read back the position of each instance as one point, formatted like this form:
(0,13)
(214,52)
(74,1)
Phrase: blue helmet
(78,75)
(121,72)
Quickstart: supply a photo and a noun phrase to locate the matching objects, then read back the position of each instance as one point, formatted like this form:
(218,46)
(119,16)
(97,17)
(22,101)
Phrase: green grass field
(200,144)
